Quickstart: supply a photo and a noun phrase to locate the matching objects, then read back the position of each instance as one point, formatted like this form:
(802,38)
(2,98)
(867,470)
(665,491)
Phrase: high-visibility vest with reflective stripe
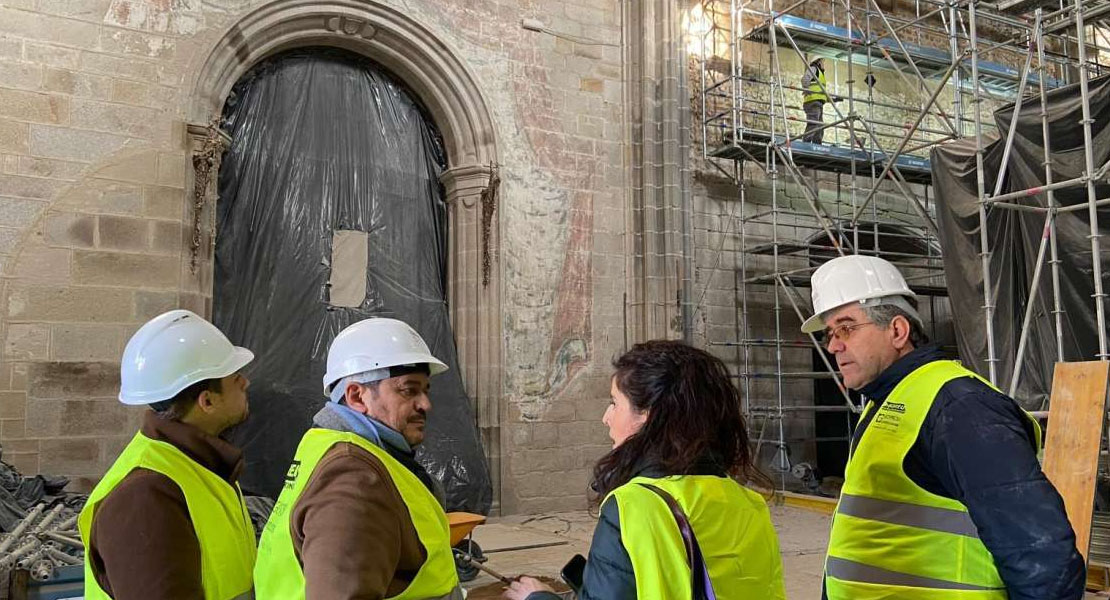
(216,509)
(817,88)
(279,573)
(732,526)
(890,537)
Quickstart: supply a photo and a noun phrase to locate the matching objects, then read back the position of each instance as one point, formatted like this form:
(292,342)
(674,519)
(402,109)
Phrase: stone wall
(92,205)
(587,125)
(96,214)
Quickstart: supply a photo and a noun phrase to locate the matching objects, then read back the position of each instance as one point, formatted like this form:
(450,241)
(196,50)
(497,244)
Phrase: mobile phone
(573,572)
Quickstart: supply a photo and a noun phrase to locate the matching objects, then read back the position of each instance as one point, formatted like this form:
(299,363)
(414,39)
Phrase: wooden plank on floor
(818,504)
(1098,577)
(1075,418)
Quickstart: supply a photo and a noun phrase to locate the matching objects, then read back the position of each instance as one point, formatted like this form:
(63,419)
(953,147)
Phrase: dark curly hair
(694,417)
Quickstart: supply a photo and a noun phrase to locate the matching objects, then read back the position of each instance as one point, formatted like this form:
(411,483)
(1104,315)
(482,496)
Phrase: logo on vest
(889,417)
(291,474)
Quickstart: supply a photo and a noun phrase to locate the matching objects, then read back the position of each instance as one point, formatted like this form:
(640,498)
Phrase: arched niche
(450,93)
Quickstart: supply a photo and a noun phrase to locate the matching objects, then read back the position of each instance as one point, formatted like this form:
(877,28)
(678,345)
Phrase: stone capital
(465,181)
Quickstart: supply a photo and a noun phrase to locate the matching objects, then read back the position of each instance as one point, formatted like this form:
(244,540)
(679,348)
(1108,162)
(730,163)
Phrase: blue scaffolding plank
(903,162)
(826,39)
(827,157)
(808,26)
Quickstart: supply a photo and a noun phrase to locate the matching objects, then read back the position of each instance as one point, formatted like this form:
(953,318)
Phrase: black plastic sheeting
(325,141)
(19,493)
(1015,237)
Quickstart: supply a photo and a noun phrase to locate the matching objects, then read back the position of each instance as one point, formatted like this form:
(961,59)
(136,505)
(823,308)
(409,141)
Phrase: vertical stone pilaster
(658,125)
(475,304)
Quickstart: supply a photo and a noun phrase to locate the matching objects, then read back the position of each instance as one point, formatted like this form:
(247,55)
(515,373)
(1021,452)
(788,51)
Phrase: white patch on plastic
(349,261)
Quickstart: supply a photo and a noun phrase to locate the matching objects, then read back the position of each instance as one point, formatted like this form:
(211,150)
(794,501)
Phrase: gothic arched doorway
(330,211)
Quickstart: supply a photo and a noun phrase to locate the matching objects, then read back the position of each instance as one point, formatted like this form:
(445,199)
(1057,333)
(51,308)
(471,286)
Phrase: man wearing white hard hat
(943,496)
(168,519)
(358,517)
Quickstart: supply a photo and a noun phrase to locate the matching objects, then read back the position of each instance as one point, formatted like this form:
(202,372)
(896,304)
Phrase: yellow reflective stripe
(247,595)
(912,515)
(848,570)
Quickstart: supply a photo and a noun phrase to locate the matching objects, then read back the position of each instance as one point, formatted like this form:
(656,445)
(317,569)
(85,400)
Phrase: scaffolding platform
(825,157)
(833,42)
(802,281)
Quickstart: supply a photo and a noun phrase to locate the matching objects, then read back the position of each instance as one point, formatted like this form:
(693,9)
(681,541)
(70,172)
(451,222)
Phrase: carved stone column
(206,145)
(474,300)
(659,246)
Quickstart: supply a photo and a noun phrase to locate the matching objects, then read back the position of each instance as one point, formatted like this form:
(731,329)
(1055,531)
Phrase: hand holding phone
(573,573)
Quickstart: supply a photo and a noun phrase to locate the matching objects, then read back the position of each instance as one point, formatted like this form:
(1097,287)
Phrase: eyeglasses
(840,332)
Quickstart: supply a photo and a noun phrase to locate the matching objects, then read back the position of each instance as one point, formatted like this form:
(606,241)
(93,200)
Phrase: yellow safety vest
(216,508)
(732,526)
(890,537)
(279,573)
(817,89)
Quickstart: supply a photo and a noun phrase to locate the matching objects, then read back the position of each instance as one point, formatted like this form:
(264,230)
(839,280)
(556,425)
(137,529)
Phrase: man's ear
(355,397)
(901,327)
(206,401)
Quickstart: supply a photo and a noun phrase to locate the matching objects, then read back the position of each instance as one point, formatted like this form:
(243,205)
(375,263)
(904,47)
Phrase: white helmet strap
(340,388)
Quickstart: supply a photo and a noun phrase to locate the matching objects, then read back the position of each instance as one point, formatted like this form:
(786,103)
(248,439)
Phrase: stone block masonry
(92,186)
(96,213)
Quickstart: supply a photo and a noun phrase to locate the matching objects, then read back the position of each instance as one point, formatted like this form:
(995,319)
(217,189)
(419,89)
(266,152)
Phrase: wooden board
(1098,578)
(1075,417)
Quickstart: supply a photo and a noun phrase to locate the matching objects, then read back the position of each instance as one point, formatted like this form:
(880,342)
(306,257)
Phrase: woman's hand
(523,586)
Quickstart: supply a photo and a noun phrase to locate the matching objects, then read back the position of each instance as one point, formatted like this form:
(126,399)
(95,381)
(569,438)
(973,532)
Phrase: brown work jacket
(352,531)
(142,544)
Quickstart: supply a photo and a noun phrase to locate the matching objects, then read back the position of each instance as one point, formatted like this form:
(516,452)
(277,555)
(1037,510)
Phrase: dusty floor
(803,535)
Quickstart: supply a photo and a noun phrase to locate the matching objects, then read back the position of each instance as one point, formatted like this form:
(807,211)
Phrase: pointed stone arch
(450,93)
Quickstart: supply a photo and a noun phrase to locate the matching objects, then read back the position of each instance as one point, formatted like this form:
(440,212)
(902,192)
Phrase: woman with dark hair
(676,523)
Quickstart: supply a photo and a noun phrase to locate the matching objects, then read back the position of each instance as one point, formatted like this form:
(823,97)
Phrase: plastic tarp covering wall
(1016,236)
(325,142)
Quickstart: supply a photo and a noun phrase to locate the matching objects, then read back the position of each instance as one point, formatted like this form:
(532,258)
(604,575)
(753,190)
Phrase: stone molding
(450,93)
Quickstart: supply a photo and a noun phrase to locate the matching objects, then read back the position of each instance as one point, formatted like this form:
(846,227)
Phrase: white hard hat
(173,351)
(853,278)
(377,343)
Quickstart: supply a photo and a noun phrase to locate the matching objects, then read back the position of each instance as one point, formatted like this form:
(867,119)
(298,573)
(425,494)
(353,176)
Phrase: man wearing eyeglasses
(943,496)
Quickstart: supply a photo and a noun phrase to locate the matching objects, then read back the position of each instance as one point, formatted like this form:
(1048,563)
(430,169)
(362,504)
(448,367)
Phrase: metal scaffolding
(880,202)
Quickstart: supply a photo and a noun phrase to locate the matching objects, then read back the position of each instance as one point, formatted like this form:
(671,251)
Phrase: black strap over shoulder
(699,572)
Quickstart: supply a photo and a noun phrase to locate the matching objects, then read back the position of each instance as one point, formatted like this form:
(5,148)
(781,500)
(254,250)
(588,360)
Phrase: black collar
(706,465)
(885,383)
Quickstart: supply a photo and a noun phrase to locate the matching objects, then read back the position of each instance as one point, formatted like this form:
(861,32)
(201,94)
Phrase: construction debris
(38,521)
(19,493)
(45,539)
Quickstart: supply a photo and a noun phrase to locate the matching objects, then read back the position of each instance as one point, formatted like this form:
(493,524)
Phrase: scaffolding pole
(980,181)
(1046,144)
(1088,155)
(802,215)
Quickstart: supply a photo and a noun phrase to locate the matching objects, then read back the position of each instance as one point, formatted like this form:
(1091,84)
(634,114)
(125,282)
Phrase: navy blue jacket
(976,446)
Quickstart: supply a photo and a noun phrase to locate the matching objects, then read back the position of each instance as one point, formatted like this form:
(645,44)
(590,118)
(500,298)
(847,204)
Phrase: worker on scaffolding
(168,518)
(358,516)
(943,495)
(815,94)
